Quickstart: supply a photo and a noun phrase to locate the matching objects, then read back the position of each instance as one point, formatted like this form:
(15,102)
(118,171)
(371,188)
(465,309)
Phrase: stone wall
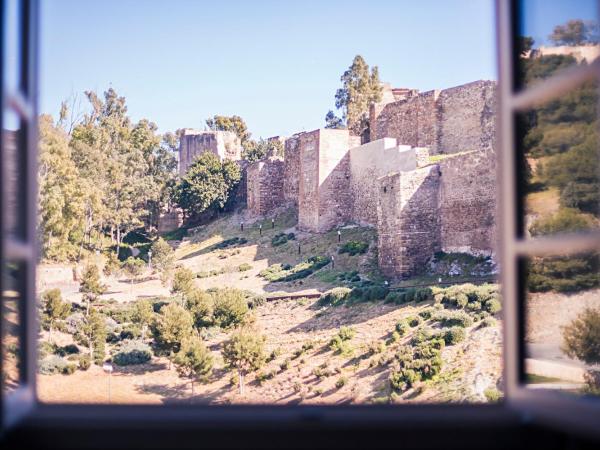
(224,144)
(291,182)
(411,121)
(408,220)
(170,220)
(453,120)
(369,162)
(468,203)
(265,180)
(466,118)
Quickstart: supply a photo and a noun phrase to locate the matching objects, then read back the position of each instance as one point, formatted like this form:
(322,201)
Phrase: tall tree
(61,194)
(92,332)
(172,325)
(360,88)
(230,123)
(575,32)
(90,285)
(245,353)
(54,309)
(208,184)
(193,360)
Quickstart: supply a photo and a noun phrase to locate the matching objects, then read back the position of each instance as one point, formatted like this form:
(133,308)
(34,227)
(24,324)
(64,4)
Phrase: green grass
(175,235)
(537,379)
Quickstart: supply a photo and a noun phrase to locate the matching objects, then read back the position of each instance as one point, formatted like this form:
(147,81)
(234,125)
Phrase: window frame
(578,415)
(22,406)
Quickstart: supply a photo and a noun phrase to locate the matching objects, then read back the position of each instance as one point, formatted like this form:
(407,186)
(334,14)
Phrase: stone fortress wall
(426,180)
(224,144)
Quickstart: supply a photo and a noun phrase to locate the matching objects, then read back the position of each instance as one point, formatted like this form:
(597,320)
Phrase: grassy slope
(198,252)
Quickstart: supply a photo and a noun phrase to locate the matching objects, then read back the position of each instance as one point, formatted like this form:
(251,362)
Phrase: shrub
(244,267)
(56,364)
(69,349)
(231,242)
(282,273)
(402,327)
(201,305)
(453,318)
(492,306)
(85,362)
(413,321)
(133,352)
(346,333)
(341,382)
(488,322)
(321,372)
(409,295)
(581,337)
(564,274)
(403,379)
(492,395)
(230,307)
(334,297)
(285,365)
(426,313)
(376,347)
(395,336)
(354,248)
(454,335)
(282,238)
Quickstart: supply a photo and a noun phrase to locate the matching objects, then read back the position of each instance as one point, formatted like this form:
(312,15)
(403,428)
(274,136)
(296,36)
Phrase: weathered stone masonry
(224,144)
(419,205)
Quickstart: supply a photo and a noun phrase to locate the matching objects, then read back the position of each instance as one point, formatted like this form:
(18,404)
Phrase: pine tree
(54,309)
(90,285)
(244,352)
(193,360)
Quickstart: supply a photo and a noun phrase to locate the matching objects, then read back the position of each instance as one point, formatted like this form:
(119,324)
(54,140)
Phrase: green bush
(244,267)
(426,313)
(230,307)
(492,306)
(354,248)
(492,395)
(85,362)
(402,296)
(133,352)
(402,327)
(281,273)
(282,238)
(453,318)
(581,337)
(69,349)
(403,379)
(231,242)
(413,321)
(340,344)
(334,297)
(341,382)
(56,364)
(454,335)
(346,333)
(488,322)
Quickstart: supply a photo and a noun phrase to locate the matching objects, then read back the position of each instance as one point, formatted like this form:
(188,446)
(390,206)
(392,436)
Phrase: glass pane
(12,276)
(562,335)
(12,162)
(561,179)
(554,35)
(12,45)
(359,298)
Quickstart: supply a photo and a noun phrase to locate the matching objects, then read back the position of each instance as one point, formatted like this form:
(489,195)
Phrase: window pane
(12,279)
(562,335)
(560,183)
(12,163)
(410,306)
(12,45)
(555,35)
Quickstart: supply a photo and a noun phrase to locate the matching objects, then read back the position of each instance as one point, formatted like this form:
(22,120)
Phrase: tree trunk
(241,376)
(192,387)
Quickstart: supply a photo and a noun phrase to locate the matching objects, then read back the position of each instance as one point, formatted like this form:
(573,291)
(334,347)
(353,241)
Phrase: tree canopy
(360,88)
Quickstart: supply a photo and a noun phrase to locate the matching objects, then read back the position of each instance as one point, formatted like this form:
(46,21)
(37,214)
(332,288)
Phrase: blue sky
(275,63)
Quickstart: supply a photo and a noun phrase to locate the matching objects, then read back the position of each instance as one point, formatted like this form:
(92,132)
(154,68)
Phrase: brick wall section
(291,182)
(369,162)
(453,120)
(467,117)
(334,196)
(408,221)
(224,144)
(412,121)
(265,185)
(468,203)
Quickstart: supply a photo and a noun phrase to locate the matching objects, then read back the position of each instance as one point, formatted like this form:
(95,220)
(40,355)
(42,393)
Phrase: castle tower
(224,144)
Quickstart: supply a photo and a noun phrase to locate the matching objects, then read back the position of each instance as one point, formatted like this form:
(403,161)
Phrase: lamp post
(108,368)
(150,259)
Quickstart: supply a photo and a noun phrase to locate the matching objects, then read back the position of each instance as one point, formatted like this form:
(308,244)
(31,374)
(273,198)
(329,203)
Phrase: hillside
(470,369)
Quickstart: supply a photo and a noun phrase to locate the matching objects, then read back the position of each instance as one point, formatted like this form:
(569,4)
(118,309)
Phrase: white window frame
(549,407)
